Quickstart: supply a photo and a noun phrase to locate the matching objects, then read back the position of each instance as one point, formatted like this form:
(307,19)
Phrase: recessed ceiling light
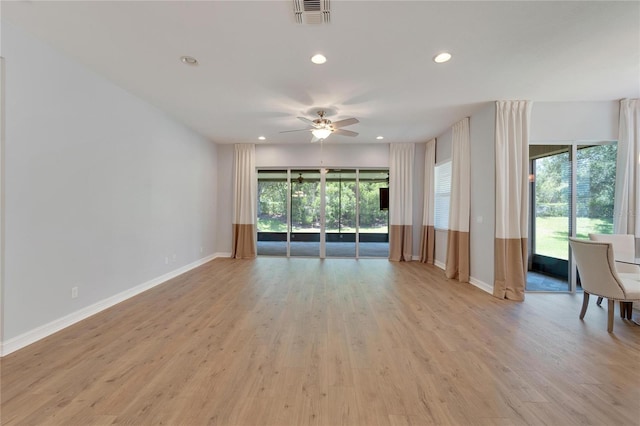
(261,138)
(189,60)
(442,57)
(380,137)
(318,59)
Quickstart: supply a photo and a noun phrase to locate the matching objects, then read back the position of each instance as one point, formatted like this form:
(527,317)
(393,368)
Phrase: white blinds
(442,199)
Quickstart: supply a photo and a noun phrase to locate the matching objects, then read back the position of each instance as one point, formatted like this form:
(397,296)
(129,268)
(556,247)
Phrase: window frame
(442,194)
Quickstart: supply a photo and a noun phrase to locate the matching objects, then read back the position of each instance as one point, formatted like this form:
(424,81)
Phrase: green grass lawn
(271,225)
(552,233)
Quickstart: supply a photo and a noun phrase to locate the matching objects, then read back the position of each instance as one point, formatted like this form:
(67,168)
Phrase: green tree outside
(595,189)
(340,208)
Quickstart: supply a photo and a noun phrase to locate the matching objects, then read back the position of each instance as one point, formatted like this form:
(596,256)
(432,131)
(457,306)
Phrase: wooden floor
(274,341)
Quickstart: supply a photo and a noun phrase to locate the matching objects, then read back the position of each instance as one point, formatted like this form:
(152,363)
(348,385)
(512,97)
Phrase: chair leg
(623,309)
(585,304)
(628,309)
(599,302)
(610,308)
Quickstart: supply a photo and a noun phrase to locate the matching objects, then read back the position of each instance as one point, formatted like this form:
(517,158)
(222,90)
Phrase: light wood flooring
(276,341)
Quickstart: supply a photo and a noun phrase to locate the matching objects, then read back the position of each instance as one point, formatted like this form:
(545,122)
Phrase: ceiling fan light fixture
(321,133)
(442,57)
(322,127)
(318,59)
(379,137)
(261,138)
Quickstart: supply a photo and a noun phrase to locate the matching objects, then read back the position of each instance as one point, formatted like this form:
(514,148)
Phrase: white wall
(330,155)
(574,121)
(225,199)
(100,188)
(483,196)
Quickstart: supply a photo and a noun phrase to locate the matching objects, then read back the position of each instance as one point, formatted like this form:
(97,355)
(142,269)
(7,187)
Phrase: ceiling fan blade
(344,132)
(345,122)
(307,121)
(299,130)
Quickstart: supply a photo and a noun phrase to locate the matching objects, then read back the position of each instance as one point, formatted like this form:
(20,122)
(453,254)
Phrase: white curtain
(512,198)
(401,201)
(427,245)
(244,202)
(626,218)
(457,263)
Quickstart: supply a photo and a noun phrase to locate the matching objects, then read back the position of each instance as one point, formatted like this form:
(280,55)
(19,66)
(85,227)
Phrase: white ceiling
(255,76)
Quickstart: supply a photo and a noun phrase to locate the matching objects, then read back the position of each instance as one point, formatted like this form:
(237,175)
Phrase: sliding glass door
(340,213)
(328,213)
(373,214)
(571,194)
(273,218)
(551,218)
(305,213)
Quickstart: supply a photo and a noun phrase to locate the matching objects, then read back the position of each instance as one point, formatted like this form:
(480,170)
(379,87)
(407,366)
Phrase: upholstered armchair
(624,250)
(598,275)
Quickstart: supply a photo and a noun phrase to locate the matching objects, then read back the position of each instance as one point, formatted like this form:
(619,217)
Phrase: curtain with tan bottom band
(428,246)
(244,246)
(400,242)
(512,199)
(401,202)
(511,266)
(458,249)
(428,241)
(457,264)
(244,202)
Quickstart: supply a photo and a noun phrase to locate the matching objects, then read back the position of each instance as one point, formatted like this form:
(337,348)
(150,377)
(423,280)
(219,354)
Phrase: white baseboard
(481,285)
(54,326)
(414,257)
(222,254)
(473,281)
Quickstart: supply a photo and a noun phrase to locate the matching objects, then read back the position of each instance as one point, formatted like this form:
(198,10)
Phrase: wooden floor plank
(275,341)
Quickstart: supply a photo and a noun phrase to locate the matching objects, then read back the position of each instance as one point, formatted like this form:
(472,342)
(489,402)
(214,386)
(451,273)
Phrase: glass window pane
(340,213)
(305,213)
(550,185)
(595,189)
(552,198)
(272,212)
(374,218)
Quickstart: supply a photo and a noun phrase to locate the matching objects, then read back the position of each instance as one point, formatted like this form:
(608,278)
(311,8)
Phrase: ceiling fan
(321,127)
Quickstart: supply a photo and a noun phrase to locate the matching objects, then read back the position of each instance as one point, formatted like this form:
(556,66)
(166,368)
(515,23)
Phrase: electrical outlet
(74,292)
(166,260)
(174,258)
(201,249)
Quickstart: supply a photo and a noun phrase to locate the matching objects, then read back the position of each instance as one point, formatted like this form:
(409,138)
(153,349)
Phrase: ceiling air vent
(311,11)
